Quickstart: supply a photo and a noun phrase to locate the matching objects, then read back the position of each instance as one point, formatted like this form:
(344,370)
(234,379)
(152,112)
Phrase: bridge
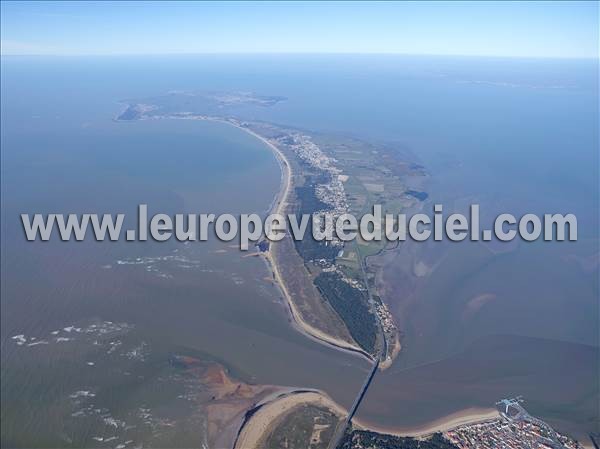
(341,427)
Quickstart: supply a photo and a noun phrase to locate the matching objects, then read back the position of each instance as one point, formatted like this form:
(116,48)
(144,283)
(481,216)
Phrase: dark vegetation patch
(363,439)
(308,203)
(351,304)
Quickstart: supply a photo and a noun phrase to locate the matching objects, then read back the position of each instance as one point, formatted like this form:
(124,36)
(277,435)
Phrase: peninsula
(329,287)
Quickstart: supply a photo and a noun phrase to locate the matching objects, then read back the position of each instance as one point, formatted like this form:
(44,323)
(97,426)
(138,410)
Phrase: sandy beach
(460,418)
(272,409)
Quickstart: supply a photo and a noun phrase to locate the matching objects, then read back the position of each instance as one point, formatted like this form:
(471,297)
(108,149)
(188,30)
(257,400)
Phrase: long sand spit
(279,206)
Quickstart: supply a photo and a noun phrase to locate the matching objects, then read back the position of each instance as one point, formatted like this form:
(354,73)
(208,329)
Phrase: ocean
(513,135)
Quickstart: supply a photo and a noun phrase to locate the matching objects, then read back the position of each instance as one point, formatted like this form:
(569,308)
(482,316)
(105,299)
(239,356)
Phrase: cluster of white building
(385,317)
(504,433)
(331,193)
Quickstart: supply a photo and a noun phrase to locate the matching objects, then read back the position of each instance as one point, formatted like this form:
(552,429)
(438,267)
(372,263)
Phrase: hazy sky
(537,29)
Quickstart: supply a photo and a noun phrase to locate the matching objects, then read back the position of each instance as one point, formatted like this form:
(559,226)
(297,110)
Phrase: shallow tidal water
(515,136)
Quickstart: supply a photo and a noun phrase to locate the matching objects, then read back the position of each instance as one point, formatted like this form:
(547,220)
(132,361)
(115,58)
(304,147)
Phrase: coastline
(460,418)
(270,409)
(268,412)
(278,207)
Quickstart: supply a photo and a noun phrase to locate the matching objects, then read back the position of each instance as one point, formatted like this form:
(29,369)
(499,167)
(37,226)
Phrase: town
(514,429)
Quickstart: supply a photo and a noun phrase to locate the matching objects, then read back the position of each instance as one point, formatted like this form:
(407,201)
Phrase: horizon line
(298,53)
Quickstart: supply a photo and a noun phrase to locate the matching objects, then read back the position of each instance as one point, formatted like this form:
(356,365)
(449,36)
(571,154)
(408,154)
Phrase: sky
(511,29)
